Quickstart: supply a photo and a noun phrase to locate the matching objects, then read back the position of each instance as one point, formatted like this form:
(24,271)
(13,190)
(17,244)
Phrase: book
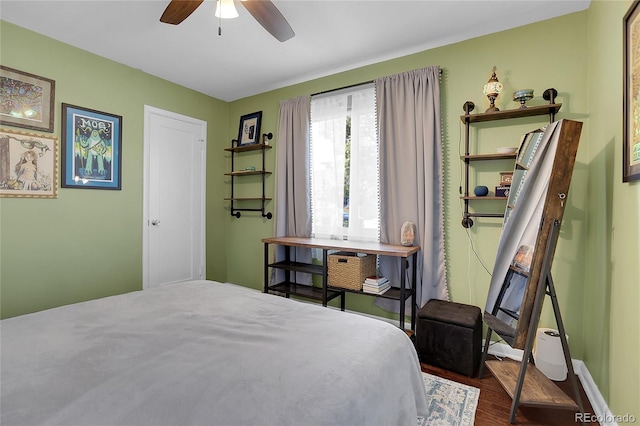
(369,285)
(375,287)
(376,280)
(376,290)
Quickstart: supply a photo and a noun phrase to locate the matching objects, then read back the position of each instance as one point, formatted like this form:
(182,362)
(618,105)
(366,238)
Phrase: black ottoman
(449,335)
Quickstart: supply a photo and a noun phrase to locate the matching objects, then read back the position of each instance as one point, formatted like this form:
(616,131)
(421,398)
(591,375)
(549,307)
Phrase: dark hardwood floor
(494,404)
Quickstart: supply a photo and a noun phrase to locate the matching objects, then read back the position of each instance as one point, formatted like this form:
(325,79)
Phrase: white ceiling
(331,35)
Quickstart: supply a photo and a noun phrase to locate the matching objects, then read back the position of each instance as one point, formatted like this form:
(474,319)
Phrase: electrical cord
(471,243)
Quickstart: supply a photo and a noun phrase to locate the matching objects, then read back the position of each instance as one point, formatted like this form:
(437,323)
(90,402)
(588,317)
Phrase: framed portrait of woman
(28,165)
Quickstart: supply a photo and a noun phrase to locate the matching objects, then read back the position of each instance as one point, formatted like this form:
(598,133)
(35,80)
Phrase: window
(344,165)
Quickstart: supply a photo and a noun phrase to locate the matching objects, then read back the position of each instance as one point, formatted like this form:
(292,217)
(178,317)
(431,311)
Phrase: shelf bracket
(266,137)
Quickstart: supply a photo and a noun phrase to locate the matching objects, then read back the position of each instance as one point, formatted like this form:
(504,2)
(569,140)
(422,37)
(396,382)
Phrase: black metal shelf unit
(549,109)
(235,174)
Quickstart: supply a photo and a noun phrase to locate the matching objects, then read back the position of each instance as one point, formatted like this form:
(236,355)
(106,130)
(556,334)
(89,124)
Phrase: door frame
(148,112)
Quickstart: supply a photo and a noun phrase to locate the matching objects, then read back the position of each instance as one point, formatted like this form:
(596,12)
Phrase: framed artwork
(26,100)
(28,165)
(91,148)
(249,131)
(631,117)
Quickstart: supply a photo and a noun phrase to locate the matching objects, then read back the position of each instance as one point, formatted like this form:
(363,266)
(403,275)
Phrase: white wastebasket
(548,354)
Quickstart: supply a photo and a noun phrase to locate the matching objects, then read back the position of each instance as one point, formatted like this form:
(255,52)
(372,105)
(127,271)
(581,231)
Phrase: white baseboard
(603,415)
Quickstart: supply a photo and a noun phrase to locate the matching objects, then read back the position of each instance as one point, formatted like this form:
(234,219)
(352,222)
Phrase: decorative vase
(407,233)
(523,96)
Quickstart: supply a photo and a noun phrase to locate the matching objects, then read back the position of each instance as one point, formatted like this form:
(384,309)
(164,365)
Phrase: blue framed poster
(91,148)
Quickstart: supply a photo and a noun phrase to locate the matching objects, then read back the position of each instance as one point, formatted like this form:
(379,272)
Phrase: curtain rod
(350,86)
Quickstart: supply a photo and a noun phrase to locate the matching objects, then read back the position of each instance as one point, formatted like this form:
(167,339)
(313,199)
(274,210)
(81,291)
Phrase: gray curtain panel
(411,182)
(292,198)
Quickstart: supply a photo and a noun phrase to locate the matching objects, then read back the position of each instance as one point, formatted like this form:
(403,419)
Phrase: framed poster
(26,100)
(91,148)
(249,131)
(28,165)
(631,116)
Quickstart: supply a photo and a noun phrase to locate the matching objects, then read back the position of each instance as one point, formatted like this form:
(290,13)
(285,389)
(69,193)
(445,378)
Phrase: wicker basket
(346,270)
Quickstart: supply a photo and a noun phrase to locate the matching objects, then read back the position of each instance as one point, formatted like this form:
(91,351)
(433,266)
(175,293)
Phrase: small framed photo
(249,131)
(26,100)
(631,140)
(91,148)
(28,165)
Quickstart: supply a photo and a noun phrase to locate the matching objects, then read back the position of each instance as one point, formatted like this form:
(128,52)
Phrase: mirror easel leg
(565,345)
(528,347)
(541,291)
(485,351)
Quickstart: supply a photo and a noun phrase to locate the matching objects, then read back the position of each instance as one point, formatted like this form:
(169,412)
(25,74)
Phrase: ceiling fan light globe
(225,9)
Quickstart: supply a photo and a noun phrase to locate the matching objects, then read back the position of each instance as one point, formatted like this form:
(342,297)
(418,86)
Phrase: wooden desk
(326,292)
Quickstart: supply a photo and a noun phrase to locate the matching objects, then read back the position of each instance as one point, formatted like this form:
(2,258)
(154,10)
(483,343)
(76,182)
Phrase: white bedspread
(206,353)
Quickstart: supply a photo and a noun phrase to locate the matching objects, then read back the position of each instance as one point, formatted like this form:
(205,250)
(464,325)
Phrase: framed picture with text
(249,131)
(26,100)
(631,104)
(91,148)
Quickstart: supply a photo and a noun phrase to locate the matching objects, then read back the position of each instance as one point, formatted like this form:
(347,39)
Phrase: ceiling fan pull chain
(220,20)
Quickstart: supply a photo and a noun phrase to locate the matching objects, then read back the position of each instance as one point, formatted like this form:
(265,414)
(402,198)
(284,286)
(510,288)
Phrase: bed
(206,353)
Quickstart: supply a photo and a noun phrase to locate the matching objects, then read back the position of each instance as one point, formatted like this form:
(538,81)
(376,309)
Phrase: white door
(174,198)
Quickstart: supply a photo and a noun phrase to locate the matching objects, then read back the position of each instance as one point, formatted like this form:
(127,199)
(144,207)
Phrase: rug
(450,403)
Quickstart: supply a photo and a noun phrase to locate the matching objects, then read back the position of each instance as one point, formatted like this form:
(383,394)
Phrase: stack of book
(376,285)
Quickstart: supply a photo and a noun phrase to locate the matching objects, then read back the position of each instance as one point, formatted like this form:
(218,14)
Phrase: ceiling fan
(264,11)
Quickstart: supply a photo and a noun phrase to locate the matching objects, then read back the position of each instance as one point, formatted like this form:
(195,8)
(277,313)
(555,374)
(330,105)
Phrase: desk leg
(325,282)
(266,267)
(414,289)
(403,283)
(287,273)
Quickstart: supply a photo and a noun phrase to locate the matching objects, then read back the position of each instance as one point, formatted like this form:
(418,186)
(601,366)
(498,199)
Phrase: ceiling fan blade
(179,10)
(268,15)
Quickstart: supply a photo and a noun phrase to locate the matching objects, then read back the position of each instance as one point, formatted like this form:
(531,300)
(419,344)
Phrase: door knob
(155,222)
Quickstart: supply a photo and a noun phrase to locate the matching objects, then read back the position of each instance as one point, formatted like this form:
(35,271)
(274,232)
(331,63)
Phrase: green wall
(596,263)
(88,243)
(467,67)
(593,265)
(611,288)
